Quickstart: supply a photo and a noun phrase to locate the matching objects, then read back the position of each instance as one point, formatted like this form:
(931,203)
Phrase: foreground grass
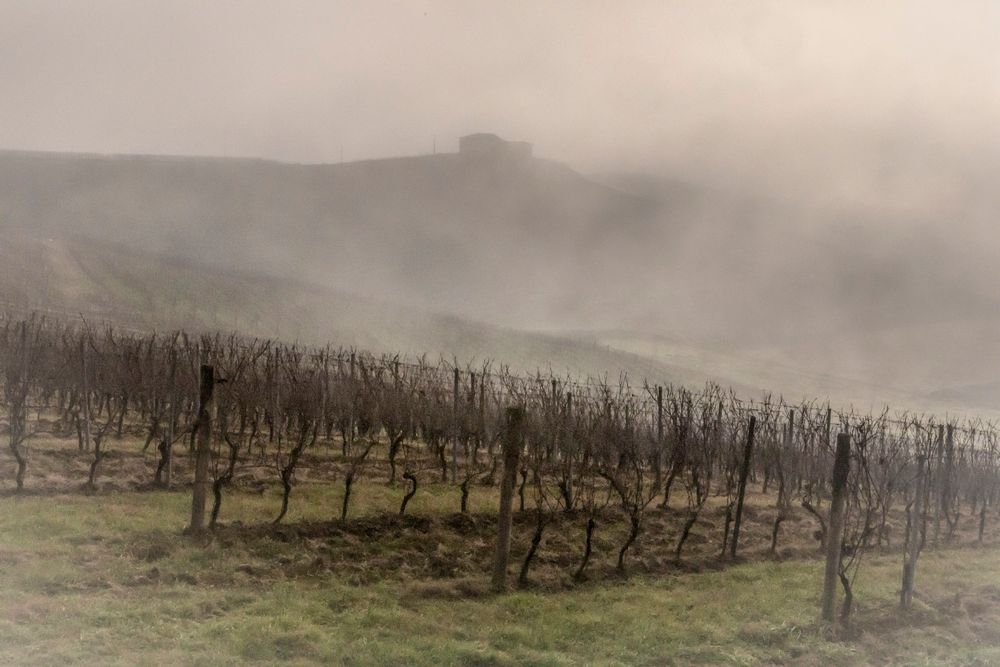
(79,583)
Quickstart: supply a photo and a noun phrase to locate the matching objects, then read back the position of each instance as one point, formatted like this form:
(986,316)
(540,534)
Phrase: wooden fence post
(204,425)
(556,422)
(659,428)
(744,473)
(826,428)
(937,484)
(348,445)
(278,421)
(913,548)
(85,401)
(482,409)
(324,408)
(168,469)
(841,469)
(569,455)
(455,429)
(511,461)
(949,471)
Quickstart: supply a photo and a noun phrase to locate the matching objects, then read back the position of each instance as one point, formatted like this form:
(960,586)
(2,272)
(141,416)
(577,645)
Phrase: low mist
(802,183)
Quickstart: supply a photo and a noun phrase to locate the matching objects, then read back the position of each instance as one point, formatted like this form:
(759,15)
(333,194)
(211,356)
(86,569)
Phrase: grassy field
(109,579)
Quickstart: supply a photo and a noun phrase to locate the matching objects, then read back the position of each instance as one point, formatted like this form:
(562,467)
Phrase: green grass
(108,579)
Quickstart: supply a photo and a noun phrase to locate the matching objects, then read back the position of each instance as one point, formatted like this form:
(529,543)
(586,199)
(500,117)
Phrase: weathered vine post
(913,547)
(938,479)
(826,445)
(474,427)
(482,411)
(18,410)
(659,437)
(168,469)
(569,442)
(744,473)
(348,444)
(276,420)
(204,426)
(325,392)
(85,402)
(841,469)
(511,462)
(949,471)
(556,423)
(455,431)
(826,427)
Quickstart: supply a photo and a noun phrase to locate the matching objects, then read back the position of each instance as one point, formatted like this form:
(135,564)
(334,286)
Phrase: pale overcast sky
(789,95)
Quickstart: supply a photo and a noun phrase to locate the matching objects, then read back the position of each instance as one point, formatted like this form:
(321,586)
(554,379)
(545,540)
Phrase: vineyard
(568,481)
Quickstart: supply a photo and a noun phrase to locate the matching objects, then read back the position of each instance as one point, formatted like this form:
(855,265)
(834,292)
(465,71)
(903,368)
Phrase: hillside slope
(880,296)
(103,282)
(140,290)
(476,236)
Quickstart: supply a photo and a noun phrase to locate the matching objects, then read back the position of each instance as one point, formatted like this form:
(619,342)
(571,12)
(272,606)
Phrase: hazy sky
(843,99)
(848,149)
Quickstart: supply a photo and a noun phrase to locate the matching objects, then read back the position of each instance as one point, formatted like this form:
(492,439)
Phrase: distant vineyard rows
(583,446)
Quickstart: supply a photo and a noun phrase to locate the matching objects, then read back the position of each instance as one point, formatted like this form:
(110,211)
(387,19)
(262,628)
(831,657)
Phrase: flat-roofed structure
(488,145)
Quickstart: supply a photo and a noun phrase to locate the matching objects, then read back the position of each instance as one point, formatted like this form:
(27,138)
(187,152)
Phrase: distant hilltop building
(486,145)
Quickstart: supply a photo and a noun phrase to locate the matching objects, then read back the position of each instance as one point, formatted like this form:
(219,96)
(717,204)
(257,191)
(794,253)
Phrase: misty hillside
(887,299)
(522,244)
(463,233)
(104,282)
(135,289)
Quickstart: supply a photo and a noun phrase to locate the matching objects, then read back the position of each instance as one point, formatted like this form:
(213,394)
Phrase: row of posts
(841,469)
(512,444)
